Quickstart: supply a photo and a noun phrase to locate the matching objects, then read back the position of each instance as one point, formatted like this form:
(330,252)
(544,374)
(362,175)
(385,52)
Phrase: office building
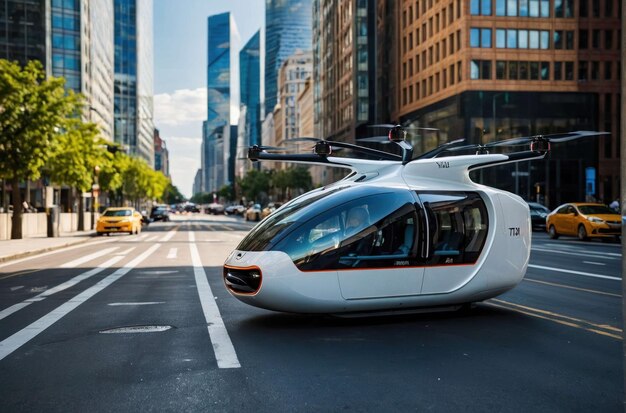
(344,68)
(293,74)
(161,154)
(133,102)
(287,28)
(489,70)
(218,101)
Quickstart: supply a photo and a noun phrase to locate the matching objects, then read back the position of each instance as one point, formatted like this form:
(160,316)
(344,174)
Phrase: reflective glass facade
(250,89)
(23,30)
(218,101)
(287,28)
(133,77)
(66,42)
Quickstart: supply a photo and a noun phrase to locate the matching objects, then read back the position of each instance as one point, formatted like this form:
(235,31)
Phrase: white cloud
(182,106)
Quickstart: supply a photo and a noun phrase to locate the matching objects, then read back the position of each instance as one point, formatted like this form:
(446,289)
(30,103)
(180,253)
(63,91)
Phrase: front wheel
(552,232)
(582,233)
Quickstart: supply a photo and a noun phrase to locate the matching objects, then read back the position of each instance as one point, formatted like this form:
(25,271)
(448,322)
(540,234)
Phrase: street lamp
(95,190)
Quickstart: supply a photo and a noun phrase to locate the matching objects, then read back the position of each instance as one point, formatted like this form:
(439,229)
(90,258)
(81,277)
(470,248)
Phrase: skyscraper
(287,28)
(250,99)
(134,77)
(218,101)
(73,39)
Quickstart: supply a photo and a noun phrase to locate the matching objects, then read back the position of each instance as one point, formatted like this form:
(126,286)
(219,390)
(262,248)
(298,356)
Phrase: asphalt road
(118,324)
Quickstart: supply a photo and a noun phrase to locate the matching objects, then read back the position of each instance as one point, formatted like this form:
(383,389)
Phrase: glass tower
(66,42)
(218,101)
(23,31)
(133,106)
(288,26)
(250,87)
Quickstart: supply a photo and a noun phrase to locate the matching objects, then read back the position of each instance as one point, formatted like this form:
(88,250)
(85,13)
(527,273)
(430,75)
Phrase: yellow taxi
(584,220)
(123,219)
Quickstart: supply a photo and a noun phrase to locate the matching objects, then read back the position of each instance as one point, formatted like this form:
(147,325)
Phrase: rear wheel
(582,233)
(552,232)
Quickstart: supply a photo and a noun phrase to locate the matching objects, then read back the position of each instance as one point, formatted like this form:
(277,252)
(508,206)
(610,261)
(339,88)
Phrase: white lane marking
(12,343)
(172,254)
(586,253)
(64,286)
(17,287)
(82,260)
(145,303)
(594,263)
(159,272)
(586,274)
(152,238)
(125,251)
(222,345)
(169,235)
(45,254)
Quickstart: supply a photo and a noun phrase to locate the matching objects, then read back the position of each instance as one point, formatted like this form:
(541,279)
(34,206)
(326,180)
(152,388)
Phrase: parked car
(215,209)
(160,213)
(253,213)
(538,214)
(124,219)
(584,220)
(191,208)
(270,208)
(234,210)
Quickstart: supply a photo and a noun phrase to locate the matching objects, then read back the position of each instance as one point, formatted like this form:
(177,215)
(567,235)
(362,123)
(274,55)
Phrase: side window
(562,210)
(373,231)
(458,225)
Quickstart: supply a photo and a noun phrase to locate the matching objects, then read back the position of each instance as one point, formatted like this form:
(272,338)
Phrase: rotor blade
(440,149)
(554,137)
(303,139)
(377,139)
(389,125)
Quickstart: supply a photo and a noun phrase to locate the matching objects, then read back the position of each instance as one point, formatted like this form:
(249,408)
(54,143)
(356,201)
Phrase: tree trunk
(81,210)
(16,222)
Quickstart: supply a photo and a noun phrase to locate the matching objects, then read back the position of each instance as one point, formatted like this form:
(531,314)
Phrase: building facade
(292,77)
(489,70)
(218,101)
(344,68)
(287,28)
(133,101)
(161,154)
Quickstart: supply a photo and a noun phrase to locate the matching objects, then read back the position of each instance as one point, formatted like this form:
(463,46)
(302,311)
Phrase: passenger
(357,219)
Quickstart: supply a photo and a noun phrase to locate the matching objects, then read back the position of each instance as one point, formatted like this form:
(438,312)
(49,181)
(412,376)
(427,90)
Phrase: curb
(42,250)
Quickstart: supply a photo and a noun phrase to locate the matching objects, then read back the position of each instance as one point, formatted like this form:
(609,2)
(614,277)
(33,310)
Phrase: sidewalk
(18,248)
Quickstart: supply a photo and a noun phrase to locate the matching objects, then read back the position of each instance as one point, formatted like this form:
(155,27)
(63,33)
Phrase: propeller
(537,142)
(324,148)
(389,125)
(440,149)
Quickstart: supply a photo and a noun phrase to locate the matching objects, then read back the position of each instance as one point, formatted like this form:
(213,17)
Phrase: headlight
(596,220)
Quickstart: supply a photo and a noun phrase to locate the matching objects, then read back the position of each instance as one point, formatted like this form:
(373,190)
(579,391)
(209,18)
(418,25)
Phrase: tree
(254,183)
(33,110)
(172,195)
(75,154)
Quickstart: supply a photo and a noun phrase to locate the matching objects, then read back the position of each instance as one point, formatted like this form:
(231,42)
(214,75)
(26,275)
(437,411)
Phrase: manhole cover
(136,329)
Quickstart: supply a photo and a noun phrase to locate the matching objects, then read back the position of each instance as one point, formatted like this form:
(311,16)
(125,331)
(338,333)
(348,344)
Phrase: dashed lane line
(569,287)
(82,260)
(12,343)
(585,274)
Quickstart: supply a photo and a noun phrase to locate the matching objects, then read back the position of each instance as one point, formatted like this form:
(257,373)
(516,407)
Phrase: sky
(180,61)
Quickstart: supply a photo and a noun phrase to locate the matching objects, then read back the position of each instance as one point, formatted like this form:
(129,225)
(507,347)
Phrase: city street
(129,323)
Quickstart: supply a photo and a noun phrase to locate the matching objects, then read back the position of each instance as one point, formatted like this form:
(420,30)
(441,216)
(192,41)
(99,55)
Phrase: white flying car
(398,234)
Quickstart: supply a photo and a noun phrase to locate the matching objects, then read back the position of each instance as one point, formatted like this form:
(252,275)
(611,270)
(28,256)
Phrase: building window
(558,39)
(583,39)
(583,9)
(480,37)
(595,39)
(569,70)
(522,39)
(511,39)
(500,69)
(545,39)
(569,40)
(513,70)
(608,39)
(545,71)
(523,8)
(582,70)
(523,70)
(596,8)
(533,39)
(545,8)
(480,69)
(500,38)
(533,8)
(595,70)
(558,8)
(480,7)
(558,70)
(608,75)
(500,7)
(534,70)
(608,8)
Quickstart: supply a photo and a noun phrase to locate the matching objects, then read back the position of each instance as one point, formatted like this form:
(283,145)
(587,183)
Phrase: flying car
(397,234)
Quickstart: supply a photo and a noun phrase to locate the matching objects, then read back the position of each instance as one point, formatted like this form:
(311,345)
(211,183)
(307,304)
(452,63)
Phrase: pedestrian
(614,205)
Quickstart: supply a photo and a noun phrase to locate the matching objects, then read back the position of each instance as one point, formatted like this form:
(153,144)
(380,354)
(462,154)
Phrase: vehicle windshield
(595,209)
(266,233)
(117,213)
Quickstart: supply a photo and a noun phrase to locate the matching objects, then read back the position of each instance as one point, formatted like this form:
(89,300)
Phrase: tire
(582,233)
(258,217)
(552,232)
(99,234)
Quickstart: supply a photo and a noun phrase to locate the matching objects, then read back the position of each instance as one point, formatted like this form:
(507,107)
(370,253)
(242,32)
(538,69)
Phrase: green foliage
(33,110)
(75,155)
(172,195)
(226,192)
(254,183)
(202,198)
